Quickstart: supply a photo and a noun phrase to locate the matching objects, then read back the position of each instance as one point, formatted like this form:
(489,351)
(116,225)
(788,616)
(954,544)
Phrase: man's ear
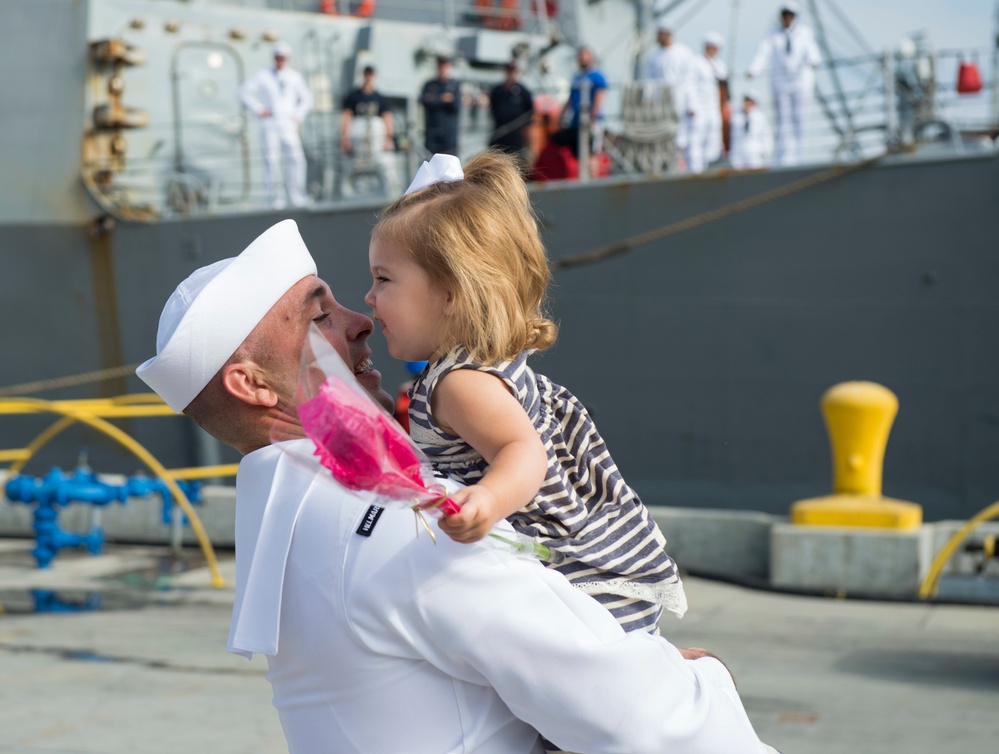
(246,382)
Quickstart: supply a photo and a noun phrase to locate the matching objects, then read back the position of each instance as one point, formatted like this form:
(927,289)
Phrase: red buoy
(969,79)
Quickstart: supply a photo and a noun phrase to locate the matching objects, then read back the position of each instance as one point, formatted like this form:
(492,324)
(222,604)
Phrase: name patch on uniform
(369,520)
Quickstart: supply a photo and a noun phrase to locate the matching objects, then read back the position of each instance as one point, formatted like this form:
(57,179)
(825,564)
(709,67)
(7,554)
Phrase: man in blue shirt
(597,83)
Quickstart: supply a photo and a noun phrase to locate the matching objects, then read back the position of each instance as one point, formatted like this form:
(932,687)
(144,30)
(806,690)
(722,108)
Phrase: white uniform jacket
(672,65)
(792,55)
(389,644)
(752,140)
(284,93)
(704,90)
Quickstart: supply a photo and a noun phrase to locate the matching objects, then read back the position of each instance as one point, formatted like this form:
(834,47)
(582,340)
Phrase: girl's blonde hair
(478,239)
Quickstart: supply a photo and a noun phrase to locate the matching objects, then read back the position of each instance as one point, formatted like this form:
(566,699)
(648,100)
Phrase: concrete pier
(147,670)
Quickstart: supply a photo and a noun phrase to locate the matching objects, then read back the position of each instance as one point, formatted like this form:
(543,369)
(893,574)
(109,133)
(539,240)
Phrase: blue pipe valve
(56,490)
(141,485)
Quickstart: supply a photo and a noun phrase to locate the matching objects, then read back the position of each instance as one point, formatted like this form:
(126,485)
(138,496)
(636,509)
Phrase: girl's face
(410,307)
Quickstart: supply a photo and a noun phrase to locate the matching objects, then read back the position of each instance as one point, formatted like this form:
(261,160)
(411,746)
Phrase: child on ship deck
(459,279)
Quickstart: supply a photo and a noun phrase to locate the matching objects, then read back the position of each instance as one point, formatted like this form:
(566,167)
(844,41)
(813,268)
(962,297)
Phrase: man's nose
(360,326)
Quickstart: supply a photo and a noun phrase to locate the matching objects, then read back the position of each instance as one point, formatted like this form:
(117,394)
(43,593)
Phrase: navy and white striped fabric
(614,549)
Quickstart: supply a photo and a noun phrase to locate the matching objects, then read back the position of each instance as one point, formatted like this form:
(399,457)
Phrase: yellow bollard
(858,418)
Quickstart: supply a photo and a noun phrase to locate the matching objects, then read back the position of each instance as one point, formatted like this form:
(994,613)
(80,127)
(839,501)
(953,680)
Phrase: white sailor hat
(281,50)
(751,94)
(663,25)
(790,7)
(210,314)
(714,39)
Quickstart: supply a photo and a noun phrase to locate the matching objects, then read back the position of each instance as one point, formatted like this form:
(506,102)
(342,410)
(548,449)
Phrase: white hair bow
(442,168)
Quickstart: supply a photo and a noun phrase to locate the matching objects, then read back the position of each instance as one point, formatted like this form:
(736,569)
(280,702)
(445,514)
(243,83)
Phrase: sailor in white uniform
(712,47)
(793,55)
(752,139)
(704,124)
(671,63)
(379,641)
(281,99)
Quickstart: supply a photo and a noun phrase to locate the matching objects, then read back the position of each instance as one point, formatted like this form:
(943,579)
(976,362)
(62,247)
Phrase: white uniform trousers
(281,143)
(791,103)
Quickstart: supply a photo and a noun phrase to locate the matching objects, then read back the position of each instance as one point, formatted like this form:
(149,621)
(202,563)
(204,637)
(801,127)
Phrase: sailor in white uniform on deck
(712,47)
(752,139)
(379,642)
(281,99)
(704,137)
(792,54)
(672,63)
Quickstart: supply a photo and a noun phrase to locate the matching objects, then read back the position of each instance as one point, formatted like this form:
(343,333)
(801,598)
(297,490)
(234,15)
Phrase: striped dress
(614,549)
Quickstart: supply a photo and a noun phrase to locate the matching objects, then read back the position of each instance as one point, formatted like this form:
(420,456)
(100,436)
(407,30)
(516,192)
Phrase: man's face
(665,37)
(280,61)
(710,50)
(585,58)
(786,18)
(444,71)
(282,331)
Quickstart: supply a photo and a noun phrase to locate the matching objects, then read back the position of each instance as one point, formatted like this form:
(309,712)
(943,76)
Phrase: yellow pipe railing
(91,413)
(930,583)
(43,439)
(205,472)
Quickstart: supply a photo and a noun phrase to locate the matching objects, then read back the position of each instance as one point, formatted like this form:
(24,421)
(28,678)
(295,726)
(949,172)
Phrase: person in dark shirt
(441,99)
(512,107)
(360,104)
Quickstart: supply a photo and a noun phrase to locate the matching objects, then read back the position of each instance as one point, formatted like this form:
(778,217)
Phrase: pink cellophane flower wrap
(366,450)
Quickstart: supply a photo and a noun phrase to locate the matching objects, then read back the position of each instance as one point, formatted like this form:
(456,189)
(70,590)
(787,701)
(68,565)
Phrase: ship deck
(145,668)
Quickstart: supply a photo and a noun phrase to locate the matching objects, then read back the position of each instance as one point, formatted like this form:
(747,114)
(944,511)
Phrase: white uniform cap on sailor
(210,314)
(282,50)
(714,39)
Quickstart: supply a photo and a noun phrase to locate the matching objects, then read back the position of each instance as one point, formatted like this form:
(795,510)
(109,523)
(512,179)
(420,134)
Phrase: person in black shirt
(366,137)
(441,98)
(512,107)
(359,105)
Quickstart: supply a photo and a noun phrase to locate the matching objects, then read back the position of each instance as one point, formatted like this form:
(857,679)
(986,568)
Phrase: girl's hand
(479,511)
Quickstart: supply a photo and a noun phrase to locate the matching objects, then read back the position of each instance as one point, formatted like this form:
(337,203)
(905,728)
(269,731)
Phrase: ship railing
(870,113)
(899,100)
(527,15)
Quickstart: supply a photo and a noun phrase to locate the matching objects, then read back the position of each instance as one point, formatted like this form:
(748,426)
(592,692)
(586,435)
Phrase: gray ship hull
(702,356)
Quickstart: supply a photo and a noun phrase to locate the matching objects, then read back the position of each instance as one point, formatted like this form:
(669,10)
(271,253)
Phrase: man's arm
(429,95)
(812,53)
(598,103)
(385,111)
(389,122)
(528,101)
(554,655)
(249,98)
(761,59)
(346,118)
(450,97)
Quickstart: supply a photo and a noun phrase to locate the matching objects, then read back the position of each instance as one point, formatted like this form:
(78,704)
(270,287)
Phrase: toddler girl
(459,280)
